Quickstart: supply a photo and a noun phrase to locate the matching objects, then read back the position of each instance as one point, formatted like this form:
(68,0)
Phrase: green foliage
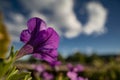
(61,58)
(77,57)
(15,75)
(9,72)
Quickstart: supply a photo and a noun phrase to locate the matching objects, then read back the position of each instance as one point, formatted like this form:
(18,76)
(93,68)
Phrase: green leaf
(21,76)
(9,72)
(5,64)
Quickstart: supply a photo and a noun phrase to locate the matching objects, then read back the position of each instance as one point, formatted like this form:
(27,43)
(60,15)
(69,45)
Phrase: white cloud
(61,17)
(16,25)
(17,18)
(97,18)
(35,5)
(37,14)
(67,19)
(12,30)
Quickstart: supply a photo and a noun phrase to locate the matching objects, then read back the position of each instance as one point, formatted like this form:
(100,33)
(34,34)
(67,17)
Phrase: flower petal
(70,66)
(37,41)
(37,55)
(36,24)
(78,68)
(44,57)
(51,52)
(39,68)
(25,36)
(48,58)
(52,61)
(72,75)
(47,76)
(46,42)
(80,78)
(53,40)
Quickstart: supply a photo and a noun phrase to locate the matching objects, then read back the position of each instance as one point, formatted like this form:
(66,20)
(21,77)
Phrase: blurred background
(89,31)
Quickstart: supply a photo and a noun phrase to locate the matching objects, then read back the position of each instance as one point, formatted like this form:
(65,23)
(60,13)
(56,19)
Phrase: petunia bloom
(72,75)
(40,40)
(73,72)
(76,68)
(47,76)
(39,68)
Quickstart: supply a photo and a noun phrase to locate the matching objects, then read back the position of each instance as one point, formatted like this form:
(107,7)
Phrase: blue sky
(84,25)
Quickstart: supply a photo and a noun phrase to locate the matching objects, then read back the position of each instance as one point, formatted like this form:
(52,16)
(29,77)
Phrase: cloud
(17,18)
(37,14)
(64,19)
(60,15)
(36,5)
(15,25)
(96,20)
(67,19)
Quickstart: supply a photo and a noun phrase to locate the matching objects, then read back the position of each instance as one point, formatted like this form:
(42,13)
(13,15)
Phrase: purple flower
(79,68)
(76,68)
(73,72)
(39,68)
(81,78)
(47,76)
(70,66)
(72,75)
(40,40)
